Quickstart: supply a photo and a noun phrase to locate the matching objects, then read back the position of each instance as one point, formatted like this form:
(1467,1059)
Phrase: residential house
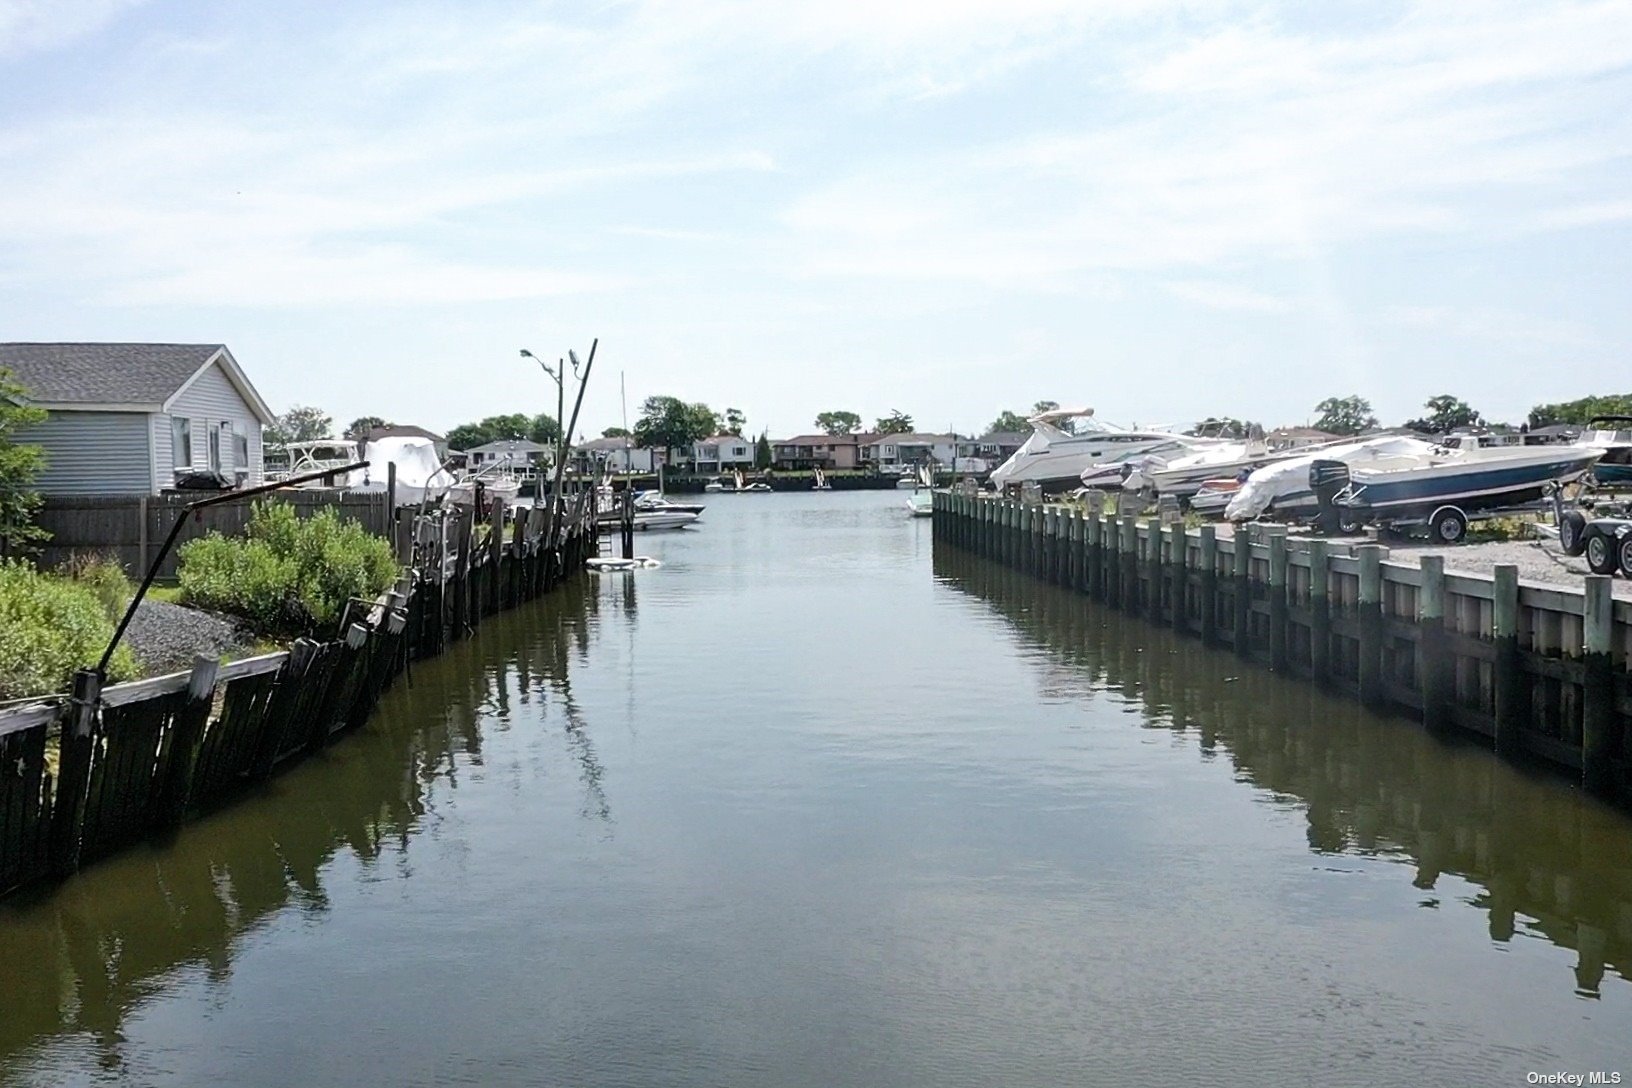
(129,419)
(998,446)
(519,456)
(723,453)
(828,452)
(612,455)
(1293,438)
(900,452)
(407,431)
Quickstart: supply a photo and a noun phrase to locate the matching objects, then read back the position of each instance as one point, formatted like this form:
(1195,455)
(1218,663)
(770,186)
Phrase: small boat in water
(651,500)
(920,504)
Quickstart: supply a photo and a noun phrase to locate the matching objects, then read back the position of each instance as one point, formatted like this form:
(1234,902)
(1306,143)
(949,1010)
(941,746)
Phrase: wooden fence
(1532,669)
(131,528)
(92,773)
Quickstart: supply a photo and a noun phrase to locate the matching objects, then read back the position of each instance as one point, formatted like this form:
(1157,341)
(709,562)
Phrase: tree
(19,466)
(1008,423)
(358,429)
(1580,411)
(897,422)
(735,421)
(542,428)
(300,424)
(1345,415)
(762,452)
(1445,414)
(838,422)
(668,423)
(617,432)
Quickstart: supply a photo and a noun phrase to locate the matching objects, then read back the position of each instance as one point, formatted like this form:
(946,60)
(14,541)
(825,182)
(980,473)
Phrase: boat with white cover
(420,475)
(1185,475)
(1282,488)
(1058,460)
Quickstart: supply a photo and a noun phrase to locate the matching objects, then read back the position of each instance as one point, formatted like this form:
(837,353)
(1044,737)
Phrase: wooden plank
(253,666)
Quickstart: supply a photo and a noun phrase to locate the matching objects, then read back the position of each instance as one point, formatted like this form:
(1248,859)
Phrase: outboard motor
(1326,480)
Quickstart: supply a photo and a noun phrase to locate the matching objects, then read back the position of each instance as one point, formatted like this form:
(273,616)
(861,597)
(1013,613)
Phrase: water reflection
(1544,860)
(79,959)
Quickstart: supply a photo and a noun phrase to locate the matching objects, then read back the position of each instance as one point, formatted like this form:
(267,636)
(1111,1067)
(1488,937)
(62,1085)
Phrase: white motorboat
(1282,488)
(304,458)
(1183,476)
(1060,461)
(420,475)
(648,520)
(714,486)
(1443,485)
(651,500)
(920,504)
(504,486)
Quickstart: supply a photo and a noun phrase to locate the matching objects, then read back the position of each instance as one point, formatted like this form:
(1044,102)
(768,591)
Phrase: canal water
(814,805)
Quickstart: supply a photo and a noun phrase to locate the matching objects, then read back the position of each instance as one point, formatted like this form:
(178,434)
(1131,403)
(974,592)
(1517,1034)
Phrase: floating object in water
(639,562)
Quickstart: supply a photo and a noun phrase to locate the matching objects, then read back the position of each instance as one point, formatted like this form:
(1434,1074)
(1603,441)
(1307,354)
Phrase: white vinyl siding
(94,453)
(209,402)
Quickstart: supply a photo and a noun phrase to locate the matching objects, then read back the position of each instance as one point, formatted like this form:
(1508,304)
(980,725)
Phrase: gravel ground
(1537,560)
(166,637)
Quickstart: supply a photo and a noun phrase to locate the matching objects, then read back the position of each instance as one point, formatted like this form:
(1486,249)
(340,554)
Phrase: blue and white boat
(1282,489)
(1614,468)
(1444,485)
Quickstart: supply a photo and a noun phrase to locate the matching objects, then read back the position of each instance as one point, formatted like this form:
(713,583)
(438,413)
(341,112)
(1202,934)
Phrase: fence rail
(85,775)
(1538,670)
(130,528)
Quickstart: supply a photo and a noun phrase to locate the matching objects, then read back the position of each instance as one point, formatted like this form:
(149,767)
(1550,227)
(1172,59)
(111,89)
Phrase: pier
(1532,671)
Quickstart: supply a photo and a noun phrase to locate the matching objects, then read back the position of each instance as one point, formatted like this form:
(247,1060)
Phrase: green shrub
(287,573)
(104,577)
(50,626)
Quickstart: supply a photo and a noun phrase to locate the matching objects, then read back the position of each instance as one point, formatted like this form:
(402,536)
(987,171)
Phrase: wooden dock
(1534,671)
(87,775)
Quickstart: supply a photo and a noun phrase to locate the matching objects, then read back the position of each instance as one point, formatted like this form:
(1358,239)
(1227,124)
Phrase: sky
(1163,210)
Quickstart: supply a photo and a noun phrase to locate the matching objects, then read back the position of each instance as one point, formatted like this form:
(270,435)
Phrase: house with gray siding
(129,419)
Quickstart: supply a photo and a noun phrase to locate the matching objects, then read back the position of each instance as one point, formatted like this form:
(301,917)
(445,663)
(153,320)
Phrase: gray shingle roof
(104,373)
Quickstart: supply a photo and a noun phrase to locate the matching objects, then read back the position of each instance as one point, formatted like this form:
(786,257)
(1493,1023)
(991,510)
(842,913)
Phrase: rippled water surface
(812,805)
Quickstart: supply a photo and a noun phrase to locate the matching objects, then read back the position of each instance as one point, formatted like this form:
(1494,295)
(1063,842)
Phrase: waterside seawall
(86,776)
(1533,671)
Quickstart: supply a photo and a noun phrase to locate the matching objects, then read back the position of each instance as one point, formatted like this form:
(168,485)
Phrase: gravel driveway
(166,637)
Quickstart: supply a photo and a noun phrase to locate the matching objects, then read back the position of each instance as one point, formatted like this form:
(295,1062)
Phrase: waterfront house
(723,453)
(1293,438)
(520,456)
(898,452)
(129,419)
(828,452)
(613,455)
(998,446)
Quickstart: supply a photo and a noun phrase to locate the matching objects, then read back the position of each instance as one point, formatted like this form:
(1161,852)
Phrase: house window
(240,454)
(181,443)
(227,446)
(215,447)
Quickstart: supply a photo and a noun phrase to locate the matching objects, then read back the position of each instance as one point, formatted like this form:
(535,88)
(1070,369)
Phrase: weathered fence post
(1209,585)
(187,731)
(495,558)
(1504,633)
(1320,612)
(1598,740)
(1096,553)
(1128,555)
(74,771)
(1432,658)
(1370,622)
(1155,569)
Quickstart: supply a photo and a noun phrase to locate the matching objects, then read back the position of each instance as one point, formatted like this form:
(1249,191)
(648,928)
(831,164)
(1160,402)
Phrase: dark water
(812,806)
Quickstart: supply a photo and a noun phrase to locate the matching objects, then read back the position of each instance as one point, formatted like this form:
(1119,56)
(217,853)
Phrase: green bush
(287,573)
(50,626)
(105,578)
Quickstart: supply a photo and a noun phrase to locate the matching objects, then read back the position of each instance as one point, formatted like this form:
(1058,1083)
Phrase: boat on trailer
(1442,486)
(1058,460)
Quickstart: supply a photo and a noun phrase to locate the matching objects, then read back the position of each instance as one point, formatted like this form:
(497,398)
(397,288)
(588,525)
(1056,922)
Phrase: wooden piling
(1242,582)
(1320,612)
(1504,634)
(1178,559)
(1277,596)
(186,732)
(74,772)
(1370,623)
(1433,661)
(1599,749)
(1208,590)
(1128,561)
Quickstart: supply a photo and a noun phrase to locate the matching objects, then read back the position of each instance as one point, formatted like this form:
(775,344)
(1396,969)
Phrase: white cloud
(1219,295)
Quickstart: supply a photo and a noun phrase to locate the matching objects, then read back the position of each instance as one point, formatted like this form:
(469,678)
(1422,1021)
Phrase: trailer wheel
(1449,525)
(1625,551)
(1572,532)
(1601,557)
